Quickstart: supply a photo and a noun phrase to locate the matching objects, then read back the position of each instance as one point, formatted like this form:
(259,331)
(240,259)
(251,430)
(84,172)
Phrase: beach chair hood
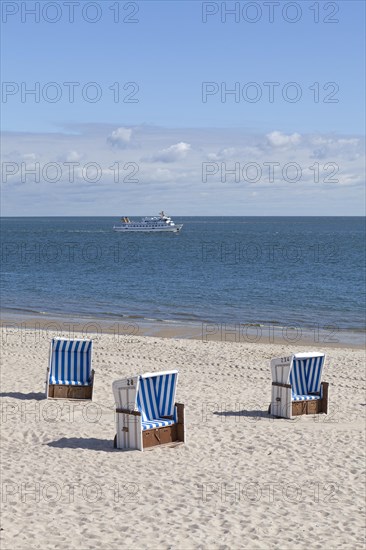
(153,394)
(70,362)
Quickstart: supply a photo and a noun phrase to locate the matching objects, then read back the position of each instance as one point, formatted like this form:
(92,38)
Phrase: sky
(198,108)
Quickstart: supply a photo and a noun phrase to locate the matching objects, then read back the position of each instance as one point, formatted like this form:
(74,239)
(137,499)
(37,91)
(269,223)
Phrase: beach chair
(69,374)
(146,412)
(296,385)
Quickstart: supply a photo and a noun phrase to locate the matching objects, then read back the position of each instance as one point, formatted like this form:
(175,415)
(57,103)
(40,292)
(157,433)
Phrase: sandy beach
(243,480)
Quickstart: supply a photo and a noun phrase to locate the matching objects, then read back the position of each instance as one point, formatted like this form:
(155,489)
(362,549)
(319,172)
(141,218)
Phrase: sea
(244,276)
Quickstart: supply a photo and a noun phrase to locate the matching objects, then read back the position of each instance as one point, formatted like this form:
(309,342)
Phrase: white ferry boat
(149,224)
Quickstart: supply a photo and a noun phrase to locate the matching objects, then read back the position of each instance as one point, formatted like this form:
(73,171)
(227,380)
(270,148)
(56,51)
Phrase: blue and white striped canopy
(156,398)
(70,362)
(305,375)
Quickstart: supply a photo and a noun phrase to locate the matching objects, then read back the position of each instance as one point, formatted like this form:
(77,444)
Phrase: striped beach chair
(296,385)
(146,412)
(69,374)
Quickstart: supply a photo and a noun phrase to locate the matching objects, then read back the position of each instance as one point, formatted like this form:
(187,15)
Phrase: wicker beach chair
(296,385)
(69,374)
(146,412)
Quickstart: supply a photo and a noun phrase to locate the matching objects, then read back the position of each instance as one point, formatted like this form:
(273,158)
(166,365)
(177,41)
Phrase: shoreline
(68,326)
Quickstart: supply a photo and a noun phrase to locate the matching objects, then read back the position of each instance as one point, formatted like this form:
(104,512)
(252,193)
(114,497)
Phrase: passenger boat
(155,224)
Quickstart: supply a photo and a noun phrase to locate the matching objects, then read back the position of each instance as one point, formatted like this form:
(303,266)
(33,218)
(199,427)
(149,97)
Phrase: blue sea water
(285,271)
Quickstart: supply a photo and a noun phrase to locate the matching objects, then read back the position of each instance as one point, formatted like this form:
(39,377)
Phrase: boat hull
(168,229)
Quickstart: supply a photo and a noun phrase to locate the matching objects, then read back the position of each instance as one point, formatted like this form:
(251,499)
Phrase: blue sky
(163,60)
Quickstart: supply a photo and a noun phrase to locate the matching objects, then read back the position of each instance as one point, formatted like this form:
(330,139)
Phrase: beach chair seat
(156,423)
(296,397)
(296,385)
(146,412)
(160,422)
(69,373)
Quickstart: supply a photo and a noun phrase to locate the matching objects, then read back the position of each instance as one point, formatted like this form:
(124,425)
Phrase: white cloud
(342,148)
(29,156)
(278,139)
(160,175)
(173,153)
(319,140)
(353,141)
(73,156)
(120,138)
(248,152)
(224,154)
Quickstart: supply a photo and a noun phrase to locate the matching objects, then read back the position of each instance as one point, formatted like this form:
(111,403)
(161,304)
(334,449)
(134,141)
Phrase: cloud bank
(100,169)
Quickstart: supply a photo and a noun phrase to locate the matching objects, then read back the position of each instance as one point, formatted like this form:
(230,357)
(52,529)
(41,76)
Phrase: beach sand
(243,480)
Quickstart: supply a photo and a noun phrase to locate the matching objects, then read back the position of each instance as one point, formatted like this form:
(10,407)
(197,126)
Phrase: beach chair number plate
(130,382)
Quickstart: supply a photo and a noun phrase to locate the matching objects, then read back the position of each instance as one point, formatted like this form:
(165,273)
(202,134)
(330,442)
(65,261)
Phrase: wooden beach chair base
(314,406)
(64,391)
(70,392)
(167,434)
(161,436)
